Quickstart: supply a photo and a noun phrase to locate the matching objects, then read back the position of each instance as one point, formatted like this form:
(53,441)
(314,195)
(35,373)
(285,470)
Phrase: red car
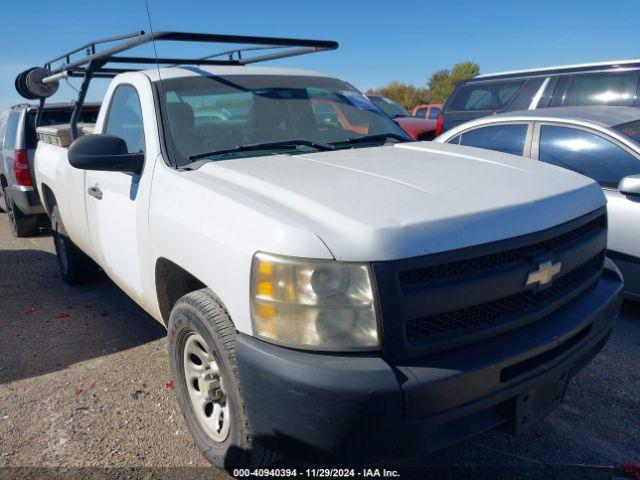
(418,128)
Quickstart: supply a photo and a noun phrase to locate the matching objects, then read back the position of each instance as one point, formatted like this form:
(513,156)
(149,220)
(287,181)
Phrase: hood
(411,199)
(415,126)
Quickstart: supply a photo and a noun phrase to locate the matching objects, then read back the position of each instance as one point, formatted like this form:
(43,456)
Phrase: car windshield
(630,129)
(389,107)
(213,118)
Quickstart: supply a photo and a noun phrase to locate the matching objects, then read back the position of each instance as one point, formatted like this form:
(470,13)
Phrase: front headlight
(314,304)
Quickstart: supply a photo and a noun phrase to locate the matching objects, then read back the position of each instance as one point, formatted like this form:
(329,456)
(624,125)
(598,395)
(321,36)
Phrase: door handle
(95,192)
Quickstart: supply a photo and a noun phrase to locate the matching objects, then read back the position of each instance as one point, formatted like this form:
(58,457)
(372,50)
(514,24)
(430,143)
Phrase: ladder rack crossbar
(96,61)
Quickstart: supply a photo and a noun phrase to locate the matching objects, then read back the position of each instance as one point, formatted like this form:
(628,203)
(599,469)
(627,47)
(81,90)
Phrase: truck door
(117,203)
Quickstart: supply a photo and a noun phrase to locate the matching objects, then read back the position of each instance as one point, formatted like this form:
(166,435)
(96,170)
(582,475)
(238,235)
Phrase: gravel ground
(83,388)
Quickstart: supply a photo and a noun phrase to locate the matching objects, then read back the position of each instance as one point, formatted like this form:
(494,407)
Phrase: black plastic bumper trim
(357,408)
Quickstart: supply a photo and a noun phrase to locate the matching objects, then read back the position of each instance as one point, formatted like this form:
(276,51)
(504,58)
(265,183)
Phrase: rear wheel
(201,339)
(21,225)
(75,266)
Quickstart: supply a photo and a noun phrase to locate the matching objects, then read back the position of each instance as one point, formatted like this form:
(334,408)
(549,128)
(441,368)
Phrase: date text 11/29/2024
(317,472)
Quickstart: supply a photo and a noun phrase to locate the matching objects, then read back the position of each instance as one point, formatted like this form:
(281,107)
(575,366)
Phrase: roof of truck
(561,68)
(190,71)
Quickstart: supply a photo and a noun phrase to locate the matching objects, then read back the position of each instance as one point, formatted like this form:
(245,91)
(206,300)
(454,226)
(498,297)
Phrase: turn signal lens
(439,124)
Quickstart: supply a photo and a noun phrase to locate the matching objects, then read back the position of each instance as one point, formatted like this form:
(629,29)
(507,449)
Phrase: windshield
(226,117)
(389,107)
(630,129)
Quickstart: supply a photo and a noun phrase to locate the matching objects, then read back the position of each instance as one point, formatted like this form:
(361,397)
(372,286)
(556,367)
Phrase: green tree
(442,83)
(438,86)
(404,94)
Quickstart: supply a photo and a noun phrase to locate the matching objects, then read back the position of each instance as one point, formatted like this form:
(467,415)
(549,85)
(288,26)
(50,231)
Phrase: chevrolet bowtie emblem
(544,274)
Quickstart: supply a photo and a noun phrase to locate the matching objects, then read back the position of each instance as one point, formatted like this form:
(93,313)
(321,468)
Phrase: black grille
(421,276)
(499,311)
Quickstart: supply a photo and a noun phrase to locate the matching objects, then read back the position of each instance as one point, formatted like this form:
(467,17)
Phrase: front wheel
(201,339)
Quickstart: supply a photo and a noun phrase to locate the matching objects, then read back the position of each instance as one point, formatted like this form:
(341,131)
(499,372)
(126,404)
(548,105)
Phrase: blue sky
(380,41)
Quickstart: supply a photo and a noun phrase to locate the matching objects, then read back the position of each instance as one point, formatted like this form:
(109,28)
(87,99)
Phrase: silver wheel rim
(206,388)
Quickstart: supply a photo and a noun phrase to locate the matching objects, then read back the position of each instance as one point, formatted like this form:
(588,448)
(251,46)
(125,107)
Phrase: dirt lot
(83,374)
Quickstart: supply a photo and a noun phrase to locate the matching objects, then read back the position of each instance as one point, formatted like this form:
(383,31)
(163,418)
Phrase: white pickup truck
(332,290)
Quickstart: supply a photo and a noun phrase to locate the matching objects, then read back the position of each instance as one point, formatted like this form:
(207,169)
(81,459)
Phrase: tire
(44,222)
(201,315)
(21,225)
(75,266)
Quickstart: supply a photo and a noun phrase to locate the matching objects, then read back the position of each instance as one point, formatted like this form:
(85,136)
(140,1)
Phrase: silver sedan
(600,142)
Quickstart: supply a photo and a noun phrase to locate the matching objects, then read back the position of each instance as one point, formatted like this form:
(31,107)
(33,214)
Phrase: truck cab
(329,294)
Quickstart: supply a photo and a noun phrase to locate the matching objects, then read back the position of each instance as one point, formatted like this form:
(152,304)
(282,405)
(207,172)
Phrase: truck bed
(60,135)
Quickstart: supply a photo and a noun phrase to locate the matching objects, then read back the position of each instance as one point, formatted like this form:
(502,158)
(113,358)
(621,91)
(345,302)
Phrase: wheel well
(173,282)
(49,198)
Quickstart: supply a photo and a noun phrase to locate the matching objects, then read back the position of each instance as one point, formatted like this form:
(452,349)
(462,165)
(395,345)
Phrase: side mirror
(104,152)
(630,185)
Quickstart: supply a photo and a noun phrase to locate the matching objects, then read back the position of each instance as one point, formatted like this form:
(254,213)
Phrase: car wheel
(75,266)
(201,339)
(21,225)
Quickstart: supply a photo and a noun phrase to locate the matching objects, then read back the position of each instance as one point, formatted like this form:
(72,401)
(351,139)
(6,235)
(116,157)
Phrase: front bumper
(25,199)
(342,408)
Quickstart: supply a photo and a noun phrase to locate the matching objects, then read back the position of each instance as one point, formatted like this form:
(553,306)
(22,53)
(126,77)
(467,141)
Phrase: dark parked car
(18,141)
(418,128)
(612,83)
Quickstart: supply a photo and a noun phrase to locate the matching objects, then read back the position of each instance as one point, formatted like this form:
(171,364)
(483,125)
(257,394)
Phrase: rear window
(56,117)
(485,96)
(616,89)
(434,112)
(11,131)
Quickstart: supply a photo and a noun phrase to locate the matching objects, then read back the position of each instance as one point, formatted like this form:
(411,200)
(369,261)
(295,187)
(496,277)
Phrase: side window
(11,131)
(124,118)
(434,112)
(502,138)
(586,153)
(617,89)
(485,96)
(421,112)
(455,140)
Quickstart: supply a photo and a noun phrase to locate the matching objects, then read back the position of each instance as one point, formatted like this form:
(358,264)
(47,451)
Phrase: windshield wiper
(282,145)
(383,137)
